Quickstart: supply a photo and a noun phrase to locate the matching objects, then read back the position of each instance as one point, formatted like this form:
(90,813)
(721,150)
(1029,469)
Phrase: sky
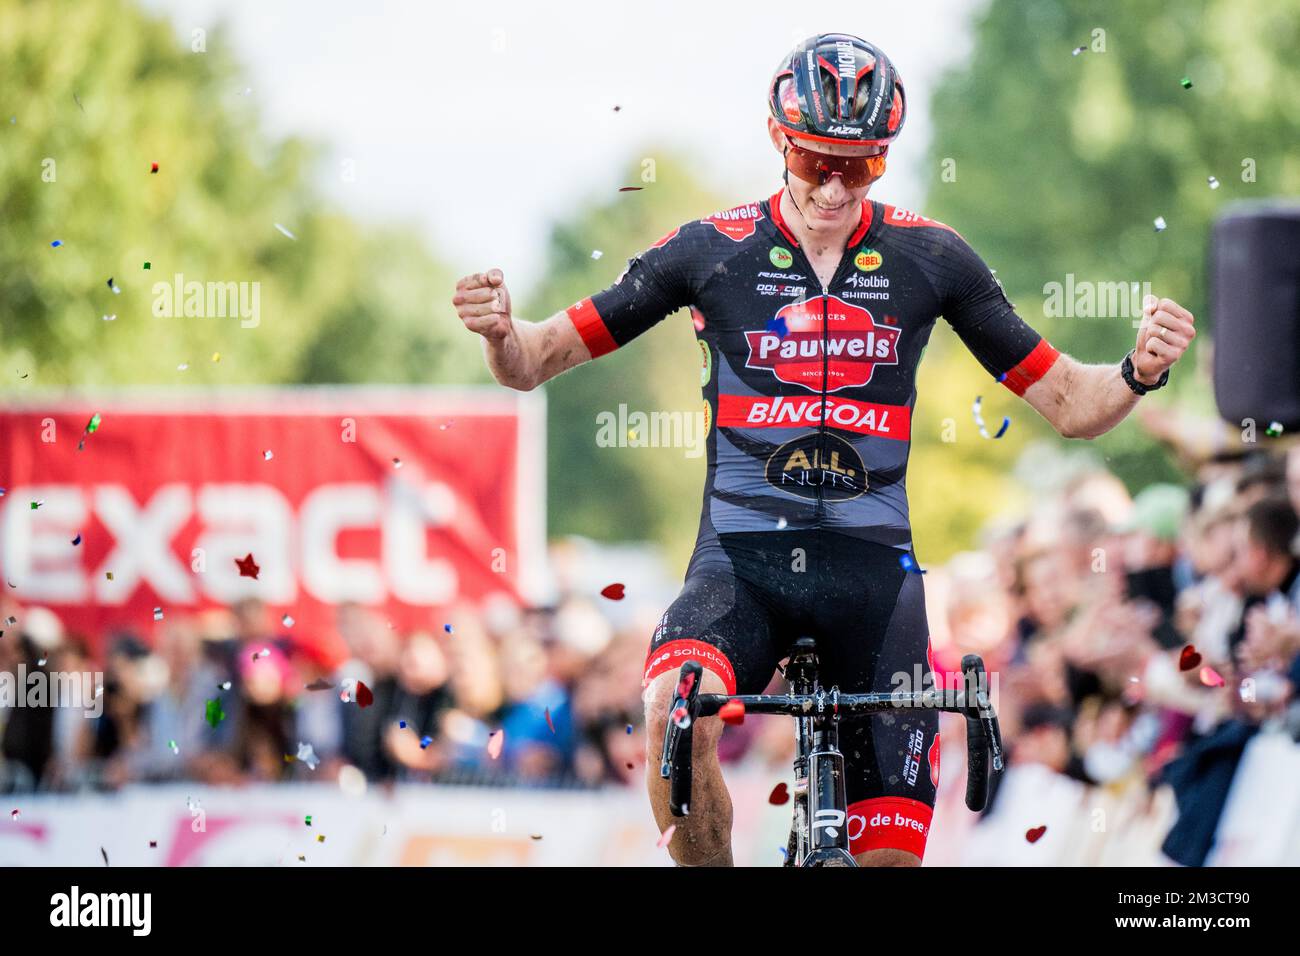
(480,123)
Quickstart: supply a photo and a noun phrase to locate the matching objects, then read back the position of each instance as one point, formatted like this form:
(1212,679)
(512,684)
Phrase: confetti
(264,652)
(780,795)
(41,661)
(174,749)
(153,167)
(287,620)
(307,819)
(110,318)
(76,541)
(1187,82)
(224,685)
(617,108)
(1213,183)
(425,741)
(534,836)
(612,591)
(629,729)
(778,326)
(153,844)
(596,253)
(157,614)
(666,836)
(183,366)
(113,285)
(402,724)
(630,189)
(1160,224)
(148,264)
(549,722)
(321,838)
(908,564)
(979,420)
(14,815)
(109,575)
(443,428)
(104,854)
(92,426)
(286,231)
(1002,378)
(1274,429)
(268,455)
(447,628)
(1077,50)
(1189,659)
(495,743)
(308,755)
(216,356)
(213,713)
(365,696)
(1210,677)
(56,243)
(1036,834)
(76,99)
(247,566)
(781,523)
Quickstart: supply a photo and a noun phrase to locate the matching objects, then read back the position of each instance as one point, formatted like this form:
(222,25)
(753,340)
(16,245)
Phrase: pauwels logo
(854,345)
(736,224)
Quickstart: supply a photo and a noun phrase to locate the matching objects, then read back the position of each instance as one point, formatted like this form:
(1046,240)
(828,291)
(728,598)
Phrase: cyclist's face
(829,204)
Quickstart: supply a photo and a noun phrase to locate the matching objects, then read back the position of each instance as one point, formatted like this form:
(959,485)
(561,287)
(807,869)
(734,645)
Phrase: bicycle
(818,831)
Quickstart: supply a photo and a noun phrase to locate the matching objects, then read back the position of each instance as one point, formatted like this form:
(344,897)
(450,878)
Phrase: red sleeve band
(1033,367)
(592,328)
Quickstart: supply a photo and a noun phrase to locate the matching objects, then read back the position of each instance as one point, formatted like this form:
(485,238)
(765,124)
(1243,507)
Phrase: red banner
(402,500)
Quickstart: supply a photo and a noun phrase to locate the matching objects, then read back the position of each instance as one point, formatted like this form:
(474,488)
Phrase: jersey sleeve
(972,301)
(654,285)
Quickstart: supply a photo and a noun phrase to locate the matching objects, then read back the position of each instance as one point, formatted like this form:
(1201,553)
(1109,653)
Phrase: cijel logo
(868,260)
(781,257)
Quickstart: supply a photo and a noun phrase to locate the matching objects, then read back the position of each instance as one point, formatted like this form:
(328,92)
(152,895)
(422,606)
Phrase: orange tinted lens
(816,168)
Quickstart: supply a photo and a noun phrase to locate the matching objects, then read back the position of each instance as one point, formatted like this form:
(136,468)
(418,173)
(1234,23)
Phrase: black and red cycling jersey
(809,390)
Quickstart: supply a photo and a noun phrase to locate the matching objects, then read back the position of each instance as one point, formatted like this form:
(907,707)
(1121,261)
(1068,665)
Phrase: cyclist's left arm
(1078,400)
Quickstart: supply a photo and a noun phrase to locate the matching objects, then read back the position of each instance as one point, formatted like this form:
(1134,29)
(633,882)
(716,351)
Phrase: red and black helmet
(838,88)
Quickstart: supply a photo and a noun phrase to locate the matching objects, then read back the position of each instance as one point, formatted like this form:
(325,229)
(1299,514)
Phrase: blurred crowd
(560,682)
(1142,639)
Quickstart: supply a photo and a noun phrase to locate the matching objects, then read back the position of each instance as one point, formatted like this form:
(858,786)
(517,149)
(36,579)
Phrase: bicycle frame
(819,832)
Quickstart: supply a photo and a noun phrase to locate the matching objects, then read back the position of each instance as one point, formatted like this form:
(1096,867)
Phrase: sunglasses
(816,168)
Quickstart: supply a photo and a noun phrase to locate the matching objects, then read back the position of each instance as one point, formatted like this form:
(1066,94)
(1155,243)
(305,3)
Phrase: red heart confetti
(365,696)
(780,795)
(1036,834)
(732,712)
(1189,659)
(613,591)
(153,167)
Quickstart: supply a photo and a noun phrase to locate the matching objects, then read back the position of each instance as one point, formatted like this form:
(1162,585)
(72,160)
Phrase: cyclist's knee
(659,697)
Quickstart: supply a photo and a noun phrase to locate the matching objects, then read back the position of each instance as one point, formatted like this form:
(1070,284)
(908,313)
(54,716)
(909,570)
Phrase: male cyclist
(812,309)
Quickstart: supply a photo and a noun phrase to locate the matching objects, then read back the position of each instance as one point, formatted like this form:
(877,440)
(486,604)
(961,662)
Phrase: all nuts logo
(854,345)
(736,224)
(813,463)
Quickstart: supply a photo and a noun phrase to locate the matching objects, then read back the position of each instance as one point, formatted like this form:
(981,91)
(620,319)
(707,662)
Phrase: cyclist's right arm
(523,355)
(520,355)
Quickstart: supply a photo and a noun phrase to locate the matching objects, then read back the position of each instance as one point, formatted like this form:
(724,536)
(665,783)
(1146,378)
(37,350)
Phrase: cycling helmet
(838,88)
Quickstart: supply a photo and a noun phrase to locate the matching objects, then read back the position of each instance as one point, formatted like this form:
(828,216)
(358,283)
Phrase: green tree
(95,94)
(1063,162)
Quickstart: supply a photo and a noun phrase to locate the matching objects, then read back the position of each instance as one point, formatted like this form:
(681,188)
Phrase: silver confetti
(1160,224)
(286,231)
(308,755)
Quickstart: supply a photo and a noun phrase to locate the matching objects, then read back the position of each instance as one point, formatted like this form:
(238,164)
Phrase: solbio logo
(781,257)
(868,260)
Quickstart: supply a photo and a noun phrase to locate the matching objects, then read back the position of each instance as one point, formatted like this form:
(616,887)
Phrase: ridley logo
(736,224)
(854,345)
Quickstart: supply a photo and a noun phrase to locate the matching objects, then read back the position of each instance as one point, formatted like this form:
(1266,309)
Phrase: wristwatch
(1126,369)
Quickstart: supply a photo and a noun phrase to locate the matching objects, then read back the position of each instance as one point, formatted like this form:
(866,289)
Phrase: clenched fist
(483,303)
(1162,338)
